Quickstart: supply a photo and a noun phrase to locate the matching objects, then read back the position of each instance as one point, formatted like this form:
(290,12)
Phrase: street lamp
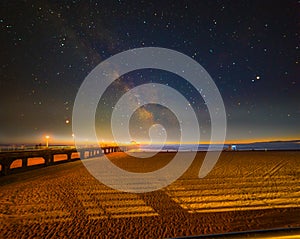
(47,140)
(73,136)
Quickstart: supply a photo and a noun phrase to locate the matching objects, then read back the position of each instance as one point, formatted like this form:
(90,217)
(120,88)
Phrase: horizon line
(241,141)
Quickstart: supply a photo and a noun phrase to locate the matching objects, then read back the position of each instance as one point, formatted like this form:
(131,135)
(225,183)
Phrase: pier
(48,156)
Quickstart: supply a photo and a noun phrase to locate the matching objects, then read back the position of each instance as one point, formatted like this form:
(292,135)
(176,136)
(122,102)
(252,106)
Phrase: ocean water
(278,145)
(291,145)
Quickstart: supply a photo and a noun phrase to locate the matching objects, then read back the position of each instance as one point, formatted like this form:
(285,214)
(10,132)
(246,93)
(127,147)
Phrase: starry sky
(251,49)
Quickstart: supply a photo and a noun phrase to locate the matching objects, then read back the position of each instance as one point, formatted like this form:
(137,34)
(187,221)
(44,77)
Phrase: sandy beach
(245,191)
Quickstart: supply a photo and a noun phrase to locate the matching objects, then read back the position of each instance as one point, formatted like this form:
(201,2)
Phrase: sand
(245,191)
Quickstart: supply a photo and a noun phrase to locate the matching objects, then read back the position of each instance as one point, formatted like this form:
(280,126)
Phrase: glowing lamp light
(47,140)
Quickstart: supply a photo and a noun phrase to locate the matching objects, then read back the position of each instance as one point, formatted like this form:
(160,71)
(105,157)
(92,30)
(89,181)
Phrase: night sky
(251,49)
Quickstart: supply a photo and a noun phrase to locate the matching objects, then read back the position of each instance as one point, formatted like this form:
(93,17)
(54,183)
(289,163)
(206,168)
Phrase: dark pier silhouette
(48,155)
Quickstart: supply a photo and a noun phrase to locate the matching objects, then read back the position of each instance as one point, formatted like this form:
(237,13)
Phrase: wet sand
(245,191)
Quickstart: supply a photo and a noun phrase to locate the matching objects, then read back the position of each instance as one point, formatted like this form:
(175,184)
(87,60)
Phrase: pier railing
(48,155)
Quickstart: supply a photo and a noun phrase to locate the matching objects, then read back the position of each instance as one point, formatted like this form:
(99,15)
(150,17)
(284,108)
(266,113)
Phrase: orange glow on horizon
(57,140)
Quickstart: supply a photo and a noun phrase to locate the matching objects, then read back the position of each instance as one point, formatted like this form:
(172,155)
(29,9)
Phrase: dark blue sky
(250,49)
